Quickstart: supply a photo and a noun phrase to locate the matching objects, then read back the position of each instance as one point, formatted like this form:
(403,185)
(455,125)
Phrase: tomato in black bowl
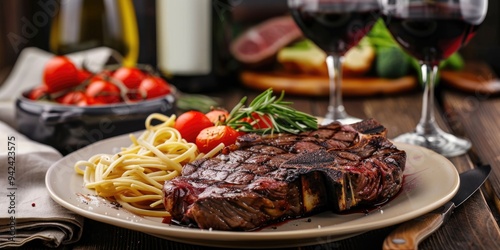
(70,127)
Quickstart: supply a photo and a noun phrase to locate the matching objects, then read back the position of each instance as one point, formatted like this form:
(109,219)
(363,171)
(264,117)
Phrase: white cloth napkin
(27,212)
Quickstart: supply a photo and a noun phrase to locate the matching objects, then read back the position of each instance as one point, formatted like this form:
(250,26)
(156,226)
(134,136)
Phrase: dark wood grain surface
(473,225)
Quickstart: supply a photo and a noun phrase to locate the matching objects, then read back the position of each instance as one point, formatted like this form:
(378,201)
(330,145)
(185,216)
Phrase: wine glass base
(338,114)
(443,143)
(345,120)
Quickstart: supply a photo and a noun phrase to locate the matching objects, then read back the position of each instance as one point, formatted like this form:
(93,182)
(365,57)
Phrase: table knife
(409,234)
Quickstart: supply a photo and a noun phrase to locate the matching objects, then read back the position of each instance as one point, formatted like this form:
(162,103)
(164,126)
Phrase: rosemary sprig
(198,102)
(282,116)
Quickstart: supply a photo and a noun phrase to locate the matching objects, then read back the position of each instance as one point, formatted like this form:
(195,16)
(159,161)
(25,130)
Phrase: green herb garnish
(198,102)
(282,116)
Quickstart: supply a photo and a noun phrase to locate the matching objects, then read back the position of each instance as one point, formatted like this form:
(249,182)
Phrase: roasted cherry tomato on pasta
(218,116)
(190,123)
(211,137)
(259,121)
(60,74)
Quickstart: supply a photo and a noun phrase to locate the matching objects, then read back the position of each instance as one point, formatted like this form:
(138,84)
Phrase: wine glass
(335,26)
(430,31)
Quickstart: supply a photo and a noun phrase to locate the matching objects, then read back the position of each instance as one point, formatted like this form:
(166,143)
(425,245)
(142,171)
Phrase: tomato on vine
(78,98)
(60,74)
(154,86)
(38,92)
(83,75)
(131,77)
(103,92)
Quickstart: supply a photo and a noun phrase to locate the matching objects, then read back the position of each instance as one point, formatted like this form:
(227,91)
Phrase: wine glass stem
(336,109)
(427,125)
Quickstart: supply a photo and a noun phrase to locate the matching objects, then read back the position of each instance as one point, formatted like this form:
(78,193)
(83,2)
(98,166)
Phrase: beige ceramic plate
(430,181)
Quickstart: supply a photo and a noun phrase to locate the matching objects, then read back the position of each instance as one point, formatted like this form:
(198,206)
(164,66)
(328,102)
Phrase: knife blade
(409,234)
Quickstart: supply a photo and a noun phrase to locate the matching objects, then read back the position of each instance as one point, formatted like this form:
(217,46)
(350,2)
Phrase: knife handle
(409,234)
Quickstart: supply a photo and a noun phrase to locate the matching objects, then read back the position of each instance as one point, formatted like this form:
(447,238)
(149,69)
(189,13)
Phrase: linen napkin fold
(27,211)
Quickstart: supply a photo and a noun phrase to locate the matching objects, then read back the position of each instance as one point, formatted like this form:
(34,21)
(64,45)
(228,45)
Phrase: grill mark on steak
(275,177)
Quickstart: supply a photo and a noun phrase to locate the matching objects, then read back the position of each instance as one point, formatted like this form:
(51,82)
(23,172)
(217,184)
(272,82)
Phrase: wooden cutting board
(318,85)
(475,78)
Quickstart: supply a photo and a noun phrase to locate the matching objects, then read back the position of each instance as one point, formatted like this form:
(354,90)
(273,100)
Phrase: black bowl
(68,128)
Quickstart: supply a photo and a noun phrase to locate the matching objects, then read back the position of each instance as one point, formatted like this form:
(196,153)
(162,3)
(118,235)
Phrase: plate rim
(173,231)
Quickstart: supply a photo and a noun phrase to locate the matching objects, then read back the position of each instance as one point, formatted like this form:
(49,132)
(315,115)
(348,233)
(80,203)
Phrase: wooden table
(472,225)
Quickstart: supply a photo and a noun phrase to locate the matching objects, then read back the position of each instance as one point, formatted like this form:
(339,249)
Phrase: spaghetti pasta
(134,177)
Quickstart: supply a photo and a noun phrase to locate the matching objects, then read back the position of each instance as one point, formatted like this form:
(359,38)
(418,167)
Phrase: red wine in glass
(335,26)
(433,34)
(431,31)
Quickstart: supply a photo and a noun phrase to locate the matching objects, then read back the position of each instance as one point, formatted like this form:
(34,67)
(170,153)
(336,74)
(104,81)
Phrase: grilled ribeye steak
(275,177)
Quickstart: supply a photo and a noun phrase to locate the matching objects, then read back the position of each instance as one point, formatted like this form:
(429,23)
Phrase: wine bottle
(193,38)
(85,24)
(145,11)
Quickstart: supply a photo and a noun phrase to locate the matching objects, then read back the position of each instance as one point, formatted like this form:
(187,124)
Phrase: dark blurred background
(26,23)
(486,44)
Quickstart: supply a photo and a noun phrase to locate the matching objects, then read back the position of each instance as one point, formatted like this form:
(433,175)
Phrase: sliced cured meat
(265,40)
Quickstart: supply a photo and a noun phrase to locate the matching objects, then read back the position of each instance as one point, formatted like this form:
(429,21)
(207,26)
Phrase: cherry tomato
(103,92)
(77,98)
(130,76)
(83,75)
(217,116)
(135,95)
(190,123)
(261,121)
(154,86)
(211,137)
(60,74)
(38,92)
